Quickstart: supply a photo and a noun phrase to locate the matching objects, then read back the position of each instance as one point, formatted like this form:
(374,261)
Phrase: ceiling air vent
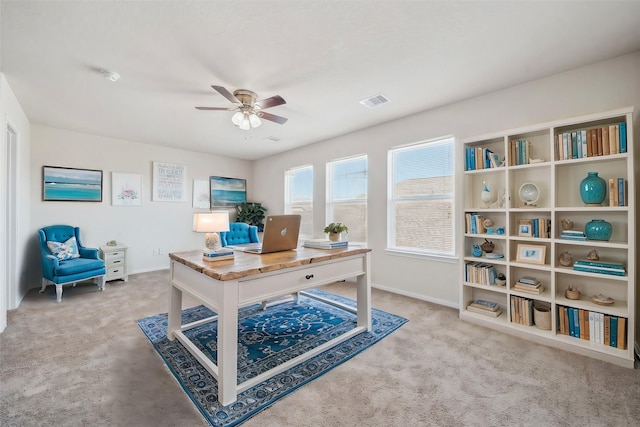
(375,101)
(271,139)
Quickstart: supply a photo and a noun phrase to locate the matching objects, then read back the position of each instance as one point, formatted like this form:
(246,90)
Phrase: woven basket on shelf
(542,317)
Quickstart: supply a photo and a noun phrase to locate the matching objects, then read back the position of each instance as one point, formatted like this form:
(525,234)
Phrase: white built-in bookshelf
(557,172)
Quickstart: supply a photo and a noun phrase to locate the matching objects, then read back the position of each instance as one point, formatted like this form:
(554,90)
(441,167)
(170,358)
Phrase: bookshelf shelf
(556,157)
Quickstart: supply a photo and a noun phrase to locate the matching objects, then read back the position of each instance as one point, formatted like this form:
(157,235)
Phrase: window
(347,195)
(298,197)
(421,186)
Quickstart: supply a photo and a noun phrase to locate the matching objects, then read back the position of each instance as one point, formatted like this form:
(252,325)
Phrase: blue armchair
(66,261)
(239,233)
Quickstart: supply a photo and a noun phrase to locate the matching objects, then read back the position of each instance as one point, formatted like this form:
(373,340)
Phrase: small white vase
(335,237)
(486,195)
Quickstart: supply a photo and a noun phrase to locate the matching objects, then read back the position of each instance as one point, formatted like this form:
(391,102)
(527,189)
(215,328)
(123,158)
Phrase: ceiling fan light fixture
(245,124)
(237,118)
(254,120)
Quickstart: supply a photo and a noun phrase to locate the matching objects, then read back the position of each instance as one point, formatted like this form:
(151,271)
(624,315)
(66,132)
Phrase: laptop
(280,234)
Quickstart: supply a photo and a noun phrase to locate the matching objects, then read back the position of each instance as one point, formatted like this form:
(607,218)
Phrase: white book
(325,244)
(591,327)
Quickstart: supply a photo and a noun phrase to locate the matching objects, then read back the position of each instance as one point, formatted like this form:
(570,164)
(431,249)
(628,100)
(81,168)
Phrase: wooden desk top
(251,264)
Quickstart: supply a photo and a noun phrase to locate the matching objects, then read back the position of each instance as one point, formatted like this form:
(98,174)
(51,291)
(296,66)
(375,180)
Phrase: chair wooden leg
(101,283)
(59,292)
(45,282)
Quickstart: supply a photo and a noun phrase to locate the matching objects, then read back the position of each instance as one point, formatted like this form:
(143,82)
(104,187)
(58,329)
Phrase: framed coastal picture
(227,192)
(126,189)
(71,184)
(532,254)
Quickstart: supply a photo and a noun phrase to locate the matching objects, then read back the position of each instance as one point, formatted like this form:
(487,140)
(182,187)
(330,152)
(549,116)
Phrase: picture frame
(227,192)
(525,228)
(201,197)
(63,184)
(531,254)
(126,189)
(169,182)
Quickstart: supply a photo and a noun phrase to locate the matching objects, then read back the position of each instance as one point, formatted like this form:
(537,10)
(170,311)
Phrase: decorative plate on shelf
(490,255)
(602,299)
(529,193)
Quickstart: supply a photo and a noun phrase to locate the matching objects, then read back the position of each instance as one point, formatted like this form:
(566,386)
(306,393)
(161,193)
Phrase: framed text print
(169,182)
(71,184)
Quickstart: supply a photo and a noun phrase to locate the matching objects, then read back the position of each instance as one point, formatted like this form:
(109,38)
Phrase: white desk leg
(363,295)
(228,344)
(174,322)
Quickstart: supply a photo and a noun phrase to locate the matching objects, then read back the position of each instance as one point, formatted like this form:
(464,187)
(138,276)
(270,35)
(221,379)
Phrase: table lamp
(212,223)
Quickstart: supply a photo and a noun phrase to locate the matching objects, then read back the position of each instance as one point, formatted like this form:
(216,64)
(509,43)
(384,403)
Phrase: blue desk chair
(239,233)
(66,261)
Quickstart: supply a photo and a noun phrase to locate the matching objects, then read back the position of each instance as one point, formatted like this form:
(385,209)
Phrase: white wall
(162,225)
(599,87)
(11,114)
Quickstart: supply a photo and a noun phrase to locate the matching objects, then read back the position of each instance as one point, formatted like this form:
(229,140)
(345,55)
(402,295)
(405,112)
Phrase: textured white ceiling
(322,57)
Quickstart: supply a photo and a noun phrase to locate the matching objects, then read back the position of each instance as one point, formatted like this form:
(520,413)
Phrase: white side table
(115,259)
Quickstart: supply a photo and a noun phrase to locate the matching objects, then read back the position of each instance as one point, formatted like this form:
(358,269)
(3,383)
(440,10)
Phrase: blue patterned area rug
(266,339)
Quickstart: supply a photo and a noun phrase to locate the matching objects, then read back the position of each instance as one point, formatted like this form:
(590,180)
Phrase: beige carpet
(85,362)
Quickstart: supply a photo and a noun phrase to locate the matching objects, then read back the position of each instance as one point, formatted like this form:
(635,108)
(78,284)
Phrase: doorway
(8,225)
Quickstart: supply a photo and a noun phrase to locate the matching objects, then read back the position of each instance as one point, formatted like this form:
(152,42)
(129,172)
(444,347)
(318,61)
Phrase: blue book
(623,137)
(579,144)
(621,192)
(572,331)
(473,159)
(589,263)
(574,145)
(536,231)
(613,331)
(576,322)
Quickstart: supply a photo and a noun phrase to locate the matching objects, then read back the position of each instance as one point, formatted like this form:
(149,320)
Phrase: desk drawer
(304,277)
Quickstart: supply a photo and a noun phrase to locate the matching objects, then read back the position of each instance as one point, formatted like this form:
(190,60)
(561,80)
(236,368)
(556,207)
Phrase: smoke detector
(110,75)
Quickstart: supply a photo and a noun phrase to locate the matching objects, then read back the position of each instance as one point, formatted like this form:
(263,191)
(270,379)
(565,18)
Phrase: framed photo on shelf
(71,184)
(531,254)
(525,228)
(227,192)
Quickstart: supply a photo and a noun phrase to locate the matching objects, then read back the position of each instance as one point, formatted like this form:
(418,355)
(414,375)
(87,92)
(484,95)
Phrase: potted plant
(335,230)
(252,213)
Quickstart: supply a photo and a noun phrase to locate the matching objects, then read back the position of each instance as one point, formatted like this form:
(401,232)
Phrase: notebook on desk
(280,234)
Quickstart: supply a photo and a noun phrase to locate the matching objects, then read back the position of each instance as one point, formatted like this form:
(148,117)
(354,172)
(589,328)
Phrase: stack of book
(220,255)
(613,268)
(529,285)
(488,308)
(573,235)
(324,244)
(618,193)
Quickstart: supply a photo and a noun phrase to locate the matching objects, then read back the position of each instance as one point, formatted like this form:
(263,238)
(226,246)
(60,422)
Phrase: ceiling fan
(248,110)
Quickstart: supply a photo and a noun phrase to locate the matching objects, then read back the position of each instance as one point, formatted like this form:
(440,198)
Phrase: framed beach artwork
(126,189)
(532,254)
(201,194)
(169,182)
(227,192)
(71,184)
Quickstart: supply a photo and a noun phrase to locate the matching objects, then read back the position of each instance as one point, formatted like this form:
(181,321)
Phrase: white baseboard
(416,296)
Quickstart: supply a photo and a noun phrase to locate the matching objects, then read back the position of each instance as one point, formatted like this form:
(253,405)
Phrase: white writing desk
(225,286)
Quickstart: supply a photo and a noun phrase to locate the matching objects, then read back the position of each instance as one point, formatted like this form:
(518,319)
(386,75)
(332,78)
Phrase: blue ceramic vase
(593,189)
(598,229)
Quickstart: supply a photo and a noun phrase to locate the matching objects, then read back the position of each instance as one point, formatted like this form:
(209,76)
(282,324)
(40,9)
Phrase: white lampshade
(211,222)
(254,120)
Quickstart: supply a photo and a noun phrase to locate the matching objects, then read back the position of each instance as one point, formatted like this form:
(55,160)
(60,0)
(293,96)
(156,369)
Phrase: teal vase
(593,189)
(598,229)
